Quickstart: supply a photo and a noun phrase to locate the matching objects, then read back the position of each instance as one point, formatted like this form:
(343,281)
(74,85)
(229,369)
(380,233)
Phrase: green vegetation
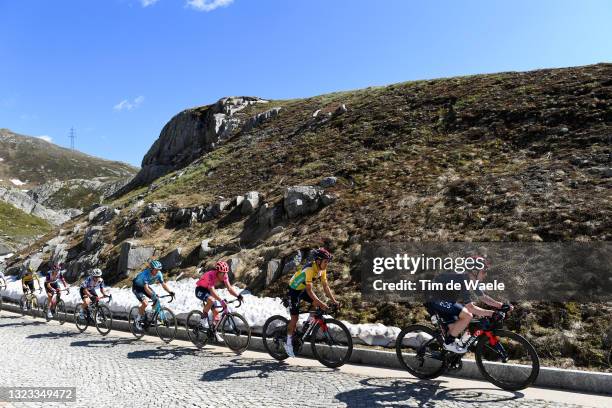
(17,224)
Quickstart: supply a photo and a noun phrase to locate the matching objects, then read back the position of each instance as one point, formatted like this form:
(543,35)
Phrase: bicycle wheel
(80,318)
(274,335)
(36,307)
(331,343)
(511,364)
(236,332)
(132,316)
(104,319)
(23,305)
(165,325)
(420,353)
(198,334)
(60,312)
(46,310)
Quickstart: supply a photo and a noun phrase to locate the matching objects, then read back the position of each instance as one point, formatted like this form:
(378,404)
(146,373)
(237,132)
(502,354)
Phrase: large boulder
(205,250)
(93,237)
(80,267)
(273,271)
(261,118)
(301,200)
(34,261)
(101,215)
(250,203)
(133,257)
(172,259)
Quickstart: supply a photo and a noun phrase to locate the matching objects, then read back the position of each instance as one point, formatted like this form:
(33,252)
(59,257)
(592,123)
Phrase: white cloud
(127,105)
(208,5)
(147,3)
(46,138)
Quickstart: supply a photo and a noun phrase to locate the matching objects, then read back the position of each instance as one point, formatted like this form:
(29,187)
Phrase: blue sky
(118,70)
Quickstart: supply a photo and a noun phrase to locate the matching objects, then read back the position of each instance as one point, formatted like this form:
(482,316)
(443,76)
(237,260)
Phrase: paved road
(119,371)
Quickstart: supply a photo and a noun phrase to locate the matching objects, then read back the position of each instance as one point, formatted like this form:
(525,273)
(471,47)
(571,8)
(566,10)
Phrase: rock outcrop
(192,133)
(24,202)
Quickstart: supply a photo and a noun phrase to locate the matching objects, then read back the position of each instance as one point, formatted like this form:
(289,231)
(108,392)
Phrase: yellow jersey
(308,274)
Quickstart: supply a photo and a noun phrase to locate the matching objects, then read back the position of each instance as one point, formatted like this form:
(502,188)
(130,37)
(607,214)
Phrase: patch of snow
(1,159)
(7,256)
(255,309)
(17,182)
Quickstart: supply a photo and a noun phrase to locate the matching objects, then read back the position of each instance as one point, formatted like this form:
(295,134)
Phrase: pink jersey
(208,279)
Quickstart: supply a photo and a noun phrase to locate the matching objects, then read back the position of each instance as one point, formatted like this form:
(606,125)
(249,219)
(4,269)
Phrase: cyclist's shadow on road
(53,335)
(20,324)
(104,343)
(239,368)
(383,392)
(165,353)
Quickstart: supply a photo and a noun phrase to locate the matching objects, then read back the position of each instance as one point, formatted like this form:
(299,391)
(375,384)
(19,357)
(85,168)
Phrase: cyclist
(27,281)
(205,289)
(88,288)
(300,288)
(459,305)
(52,279)
(141,288)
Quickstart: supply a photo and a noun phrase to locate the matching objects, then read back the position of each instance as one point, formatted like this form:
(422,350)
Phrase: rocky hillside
(31,162)
(503,157)
(39,180)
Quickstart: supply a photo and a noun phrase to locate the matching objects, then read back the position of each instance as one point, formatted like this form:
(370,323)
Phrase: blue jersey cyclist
(88,287)
(141,288)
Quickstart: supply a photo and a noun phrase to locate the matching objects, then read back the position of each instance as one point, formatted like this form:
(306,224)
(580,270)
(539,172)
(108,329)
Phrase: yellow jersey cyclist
(28,276)
(300,288)
(141,288)
(87,290)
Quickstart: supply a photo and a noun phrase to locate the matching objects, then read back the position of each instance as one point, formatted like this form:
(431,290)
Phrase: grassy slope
(17,224)
(36,161)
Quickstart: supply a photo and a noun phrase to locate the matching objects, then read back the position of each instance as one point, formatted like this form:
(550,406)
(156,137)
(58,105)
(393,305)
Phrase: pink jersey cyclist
(205,286)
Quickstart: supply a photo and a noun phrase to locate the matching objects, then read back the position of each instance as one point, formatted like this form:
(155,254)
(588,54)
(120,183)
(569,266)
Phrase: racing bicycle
(97,313)
(504,358)
(330,340)
(28,303)
(162,318)
(233,327)
(59,309)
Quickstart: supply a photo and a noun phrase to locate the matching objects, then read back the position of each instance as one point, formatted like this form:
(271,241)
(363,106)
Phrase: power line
(72,136)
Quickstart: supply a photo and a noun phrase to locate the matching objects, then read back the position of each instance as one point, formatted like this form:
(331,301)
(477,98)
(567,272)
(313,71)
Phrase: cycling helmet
(56,267)
(96,273)
(155,264)
(222,266)
(322,253)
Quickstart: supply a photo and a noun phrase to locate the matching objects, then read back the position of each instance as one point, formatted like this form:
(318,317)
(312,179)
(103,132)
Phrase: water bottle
(434,319)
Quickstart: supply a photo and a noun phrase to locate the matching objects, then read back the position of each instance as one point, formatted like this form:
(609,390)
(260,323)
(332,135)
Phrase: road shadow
(103,343)
(21,324)
(164,353)
(239,368)
(53,335)
(384,392)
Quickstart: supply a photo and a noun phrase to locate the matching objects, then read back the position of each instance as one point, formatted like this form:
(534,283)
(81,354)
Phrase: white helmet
(96,273)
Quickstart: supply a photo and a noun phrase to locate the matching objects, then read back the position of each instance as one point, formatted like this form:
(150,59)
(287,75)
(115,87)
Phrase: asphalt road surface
(118,371)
